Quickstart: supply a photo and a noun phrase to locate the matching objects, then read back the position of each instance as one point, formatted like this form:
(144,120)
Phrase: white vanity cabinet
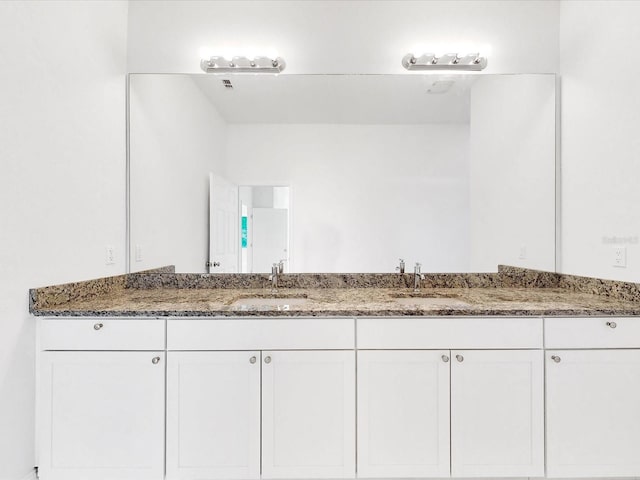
(266,407)
(403,413)
(101,412)
(497,413)
(213,415)
(427,411)
(308,414)
(593,397)
(283,398)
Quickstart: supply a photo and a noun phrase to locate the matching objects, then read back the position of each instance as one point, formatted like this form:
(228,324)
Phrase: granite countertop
(510,292)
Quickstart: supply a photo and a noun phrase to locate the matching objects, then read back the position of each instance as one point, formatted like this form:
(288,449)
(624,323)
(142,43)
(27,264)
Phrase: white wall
(177,138)
(343,36)
(512,164)
(62,190)
(364,195)
(600,136)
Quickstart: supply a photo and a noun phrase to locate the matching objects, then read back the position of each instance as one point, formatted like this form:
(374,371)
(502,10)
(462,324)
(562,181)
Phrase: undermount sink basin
(270,302)
(431,301)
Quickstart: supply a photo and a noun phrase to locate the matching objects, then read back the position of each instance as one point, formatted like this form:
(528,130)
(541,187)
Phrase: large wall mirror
(342,173)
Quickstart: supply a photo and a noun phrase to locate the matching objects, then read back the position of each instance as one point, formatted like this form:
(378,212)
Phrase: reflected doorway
(264,227)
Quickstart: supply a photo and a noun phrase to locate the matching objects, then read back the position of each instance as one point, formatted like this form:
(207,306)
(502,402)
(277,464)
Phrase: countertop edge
(340,313)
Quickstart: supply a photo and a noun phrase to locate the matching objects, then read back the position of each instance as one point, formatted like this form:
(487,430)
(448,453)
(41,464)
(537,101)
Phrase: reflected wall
(379,167)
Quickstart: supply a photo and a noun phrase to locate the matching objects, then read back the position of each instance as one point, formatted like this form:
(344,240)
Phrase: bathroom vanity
(177,376)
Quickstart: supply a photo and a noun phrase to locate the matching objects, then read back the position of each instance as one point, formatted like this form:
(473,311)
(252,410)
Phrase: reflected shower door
(270,237)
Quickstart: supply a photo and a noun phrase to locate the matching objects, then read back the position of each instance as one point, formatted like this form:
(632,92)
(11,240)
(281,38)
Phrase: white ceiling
(338,99)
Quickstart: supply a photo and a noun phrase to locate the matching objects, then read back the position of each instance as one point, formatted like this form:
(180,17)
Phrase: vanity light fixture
(448,61)
(216,64)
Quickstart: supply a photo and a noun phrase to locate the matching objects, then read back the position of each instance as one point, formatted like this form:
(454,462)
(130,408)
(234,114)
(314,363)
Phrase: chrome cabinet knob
(555,358)
(445,358)
(267,359)
(155,360)
(98,326)
(612,324)
(460,358)
(252,360)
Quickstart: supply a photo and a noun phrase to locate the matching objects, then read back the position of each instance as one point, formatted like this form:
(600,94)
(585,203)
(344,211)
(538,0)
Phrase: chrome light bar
(449,61)
(242,65)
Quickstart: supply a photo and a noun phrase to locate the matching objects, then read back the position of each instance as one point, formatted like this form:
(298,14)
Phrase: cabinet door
(308,414)
(497,413)
(213,415)
(593,413)
(102,416)
(403,413)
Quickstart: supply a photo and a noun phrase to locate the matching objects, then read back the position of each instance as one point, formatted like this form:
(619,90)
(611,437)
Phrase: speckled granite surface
(68,293)
(510,292)
(311,280)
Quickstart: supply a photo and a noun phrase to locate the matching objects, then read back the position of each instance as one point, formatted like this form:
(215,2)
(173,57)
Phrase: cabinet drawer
(102,334)
(592,332)
(449,332)
(260,334)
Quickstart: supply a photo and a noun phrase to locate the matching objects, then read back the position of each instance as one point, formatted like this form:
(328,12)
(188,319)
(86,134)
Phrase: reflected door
(223,225)
(270,237)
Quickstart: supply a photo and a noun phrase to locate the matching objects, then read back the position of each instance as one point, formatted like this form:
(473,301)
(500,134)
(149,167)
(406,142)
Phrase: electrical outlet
(523,252)
(138,253)
(110,255)
(620,257)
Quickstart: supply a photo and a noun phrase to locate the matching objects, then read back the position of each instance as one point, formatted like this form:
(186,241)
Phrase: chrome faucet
(281,266)
(400,268)
(417,276)
(274,276)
